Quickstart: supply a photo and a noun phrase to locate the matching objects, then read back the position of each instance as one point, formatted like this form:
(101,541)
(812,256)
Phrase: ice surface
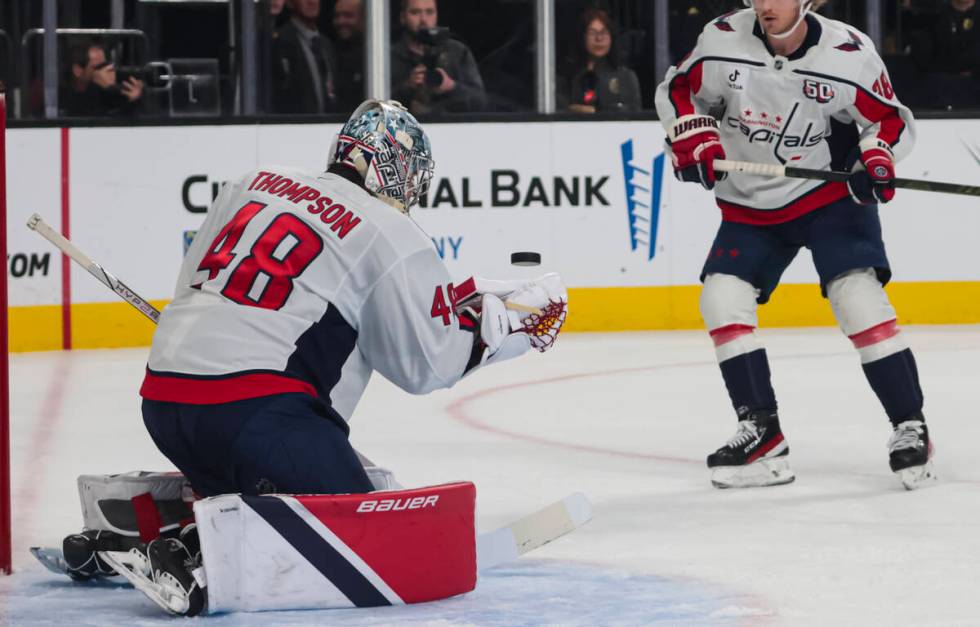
(625,418)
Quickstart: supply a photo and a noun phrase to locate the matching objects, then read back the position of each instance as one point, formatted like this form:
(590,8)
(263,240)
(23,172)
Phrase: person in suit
(303,63)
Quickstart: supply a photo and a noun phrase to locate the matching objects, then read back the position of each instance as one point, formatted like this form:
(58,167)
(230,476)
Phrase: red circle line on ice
(457,411)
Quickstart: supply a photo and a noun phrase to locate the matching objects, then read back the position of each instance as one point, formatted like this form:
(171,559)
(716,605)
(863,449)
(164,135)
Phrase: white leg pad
(729,309)
(865,314)
(728,300)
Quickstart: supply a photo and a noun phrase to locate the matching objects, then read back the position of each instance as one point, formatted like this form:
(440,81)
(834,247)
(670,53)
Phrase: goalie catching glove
(511,316)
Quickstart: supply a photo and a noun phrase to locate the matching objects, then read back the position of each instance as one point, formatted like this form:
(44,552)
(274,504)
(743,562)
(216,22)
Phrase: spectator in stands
(92,88)
(947,50)
(596,81)
(430,71)
(956,35)
(278,13)
(348,30)
(303,63)
(687,20)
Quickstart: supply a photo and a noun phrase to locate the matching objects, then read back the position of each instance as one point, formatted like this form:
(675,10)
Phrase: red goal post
(5,549)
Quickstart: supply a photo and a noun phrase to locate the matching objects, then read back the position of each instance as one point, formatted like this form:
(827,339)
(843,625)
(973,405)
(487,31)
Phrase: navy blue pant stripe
(318,551)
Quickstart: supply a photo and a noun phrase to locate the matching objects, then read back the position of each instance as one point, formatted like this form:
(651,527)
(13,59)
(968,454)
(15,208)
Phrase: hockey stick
(114,284)
(533,531)
(766,169)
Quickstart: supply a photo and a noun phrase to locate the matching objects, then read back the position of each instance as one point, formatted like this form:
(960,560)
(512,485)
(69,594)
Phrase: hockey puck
(525,259)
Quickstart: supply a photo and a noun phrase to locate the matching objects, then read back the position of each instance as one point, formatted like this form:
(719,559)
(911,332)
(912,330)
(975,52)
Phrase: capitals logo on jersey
(761,127)
(853,45)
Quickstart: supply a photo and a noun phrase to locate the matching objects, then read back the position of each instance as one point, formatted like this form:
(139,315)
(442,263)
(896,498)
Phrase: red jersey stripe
(888,116)
(819,197)
(683,87)
(158,387)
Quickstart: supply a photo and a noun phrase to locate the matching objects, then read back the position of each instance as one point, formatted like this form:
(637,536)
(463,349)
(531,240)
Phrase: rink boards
(597,200)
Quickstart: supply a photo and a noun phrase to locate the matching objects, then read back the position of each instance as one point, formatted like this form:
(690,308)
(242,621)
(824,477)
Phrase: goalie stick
(493,548)
(533,531)
(37,224)
(767,169)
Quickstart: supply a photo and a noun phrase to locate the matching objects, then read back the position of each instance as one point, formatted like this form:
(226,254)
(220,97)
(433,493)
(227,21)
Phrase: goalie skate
(169,575)
(755,456)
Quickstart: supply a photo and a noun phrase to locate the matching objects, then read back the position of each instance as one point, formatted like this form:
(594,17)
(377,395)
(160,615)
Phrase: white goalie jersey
(807,110)
(300,283)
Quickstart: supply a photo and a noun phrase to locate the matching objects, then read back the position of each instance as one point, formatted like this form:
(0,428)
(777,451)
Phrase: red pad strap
(148,519)
(727,333)
(877,333)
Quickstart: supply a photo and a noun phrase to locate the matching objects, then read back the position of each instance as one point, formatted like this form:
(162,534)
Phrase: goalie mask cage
(5,552)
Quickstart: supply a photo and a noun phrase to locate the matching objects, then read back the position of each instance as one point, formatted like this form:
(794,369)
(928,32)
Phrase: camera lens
(433,78)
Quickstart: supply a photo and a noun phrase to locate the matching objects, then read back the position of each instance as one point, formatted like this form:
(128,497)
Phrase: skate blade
(917,477)
(52,559)
(761,473)
(131,565)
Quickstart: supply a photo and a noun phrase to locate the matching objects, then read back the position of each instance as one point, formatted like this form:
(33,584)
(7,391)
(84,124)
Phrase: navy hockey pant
(842,236)
(287,443)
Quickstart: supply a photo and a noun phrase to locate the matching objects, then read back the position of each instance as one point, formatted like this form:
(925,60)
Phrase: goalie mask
(389,149)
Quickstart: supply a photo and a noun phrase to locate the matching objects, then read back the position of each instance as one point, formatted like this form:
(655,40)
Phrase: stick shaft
(107,279)
(766,169)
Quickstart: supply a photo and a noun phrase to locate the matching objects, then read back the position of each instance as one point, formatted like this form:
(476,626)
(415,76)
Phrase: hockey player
(776,83)
(294,290)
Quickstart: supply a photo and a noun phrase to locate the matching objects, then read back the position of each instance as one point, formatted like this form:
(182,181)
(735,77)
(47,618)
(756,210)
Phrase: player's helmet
(387,146)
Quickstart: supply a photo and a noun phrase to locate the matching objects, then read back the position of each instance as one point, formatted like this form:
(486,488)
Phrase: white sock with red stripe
(728,306)
(867,317)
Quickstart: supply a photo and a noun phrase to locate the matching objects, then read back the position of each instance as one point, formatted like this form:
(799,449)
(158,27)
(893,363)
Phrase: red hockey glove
(696,144)
(875,182)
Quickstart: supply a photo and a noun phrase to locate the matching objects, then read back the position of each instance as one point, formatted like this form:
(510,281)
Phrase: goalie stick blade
(130,564)
(51,558)
(533,531)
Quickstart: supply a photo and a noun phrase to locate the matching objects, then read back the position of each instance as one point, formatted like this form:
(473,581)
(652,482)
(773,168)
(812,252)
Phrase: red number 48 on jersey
(280,253)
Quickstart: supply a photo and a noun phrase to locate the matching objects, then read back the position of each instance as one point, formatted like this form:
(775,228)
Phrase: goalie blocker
(318,552)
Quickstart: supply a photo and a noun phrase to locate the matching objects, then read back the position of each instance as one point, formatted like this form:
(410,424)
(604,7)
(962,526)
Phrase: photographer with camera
(430,71)
(92,88)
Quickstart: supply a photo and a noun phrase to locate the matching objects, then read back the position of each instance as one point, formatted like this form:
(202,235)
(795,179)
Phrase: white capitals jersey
(300,283)
(799,110)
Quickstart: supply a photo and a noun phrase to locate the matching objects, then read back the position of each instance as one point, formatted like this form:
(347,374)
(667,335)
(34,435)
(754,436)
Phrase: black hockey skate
(757,455)
(910,453)
(173,565)
(81,552)
(172,577)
